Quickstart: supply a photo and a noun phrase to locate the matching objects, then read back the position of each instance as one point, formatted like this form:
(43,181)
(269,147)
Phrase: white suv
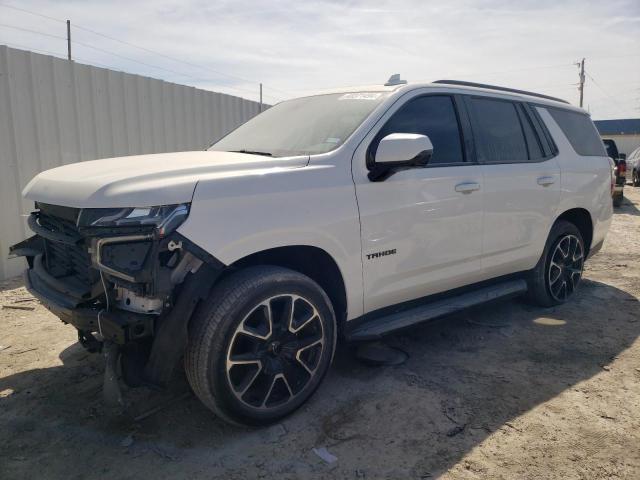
(633,167)
(348,214)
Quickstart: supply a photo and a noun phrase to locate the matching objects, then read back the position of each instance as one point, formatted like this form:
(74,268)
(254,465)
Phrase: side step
(378,327)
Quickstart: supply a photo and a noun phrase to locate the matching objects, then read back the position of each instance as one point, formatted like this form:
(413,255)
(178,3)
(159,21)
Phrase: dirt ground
(504,391)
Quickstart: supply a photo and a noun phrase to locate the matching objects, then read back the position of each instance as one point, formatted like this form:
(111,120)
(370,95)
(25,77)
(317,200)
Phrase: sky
(300,47)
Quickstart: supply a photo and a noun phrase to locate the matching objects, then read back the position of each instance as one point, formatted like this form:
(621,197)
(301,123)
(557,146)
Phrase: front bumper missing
(118,326)
(81,284)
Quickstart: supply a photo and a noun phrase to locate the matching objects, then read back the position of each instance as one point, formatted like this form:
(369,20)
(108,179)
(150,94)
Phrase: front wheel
(559,271)
(635,179)
(261,345)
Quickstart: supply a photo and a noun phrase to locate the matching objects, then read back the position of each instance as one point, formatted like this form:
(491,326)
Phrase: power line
(148,50)
(622,108)
(30,12)
(93,48)
(124,57)
(524,69)
(32,31)
(54,54)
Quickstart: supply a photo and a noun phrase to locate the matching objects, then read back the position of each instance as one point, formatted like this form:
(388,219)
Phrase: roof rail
(501,89)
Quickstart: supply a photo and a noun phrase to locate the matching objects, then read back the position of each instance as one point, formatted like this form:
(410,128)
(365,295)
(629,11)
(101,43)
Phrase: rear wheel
(559,270)
(635,179)
(261,346)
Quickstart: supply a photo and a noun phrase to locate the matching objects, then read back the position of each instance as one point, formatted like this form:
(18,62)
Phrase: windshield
(302,126)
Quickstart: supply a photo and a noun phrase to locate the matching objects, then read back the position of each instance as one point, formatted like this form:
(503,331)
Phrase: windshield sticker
(332,140)
(360,96)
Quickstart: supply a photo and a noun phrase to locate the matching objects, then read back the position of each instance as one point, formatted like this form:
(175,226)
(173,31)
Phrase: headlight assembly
(165,218)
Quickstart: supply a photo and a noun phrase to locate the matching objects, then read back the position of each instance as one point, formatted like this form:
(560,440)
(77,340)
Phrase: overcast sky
(300,47)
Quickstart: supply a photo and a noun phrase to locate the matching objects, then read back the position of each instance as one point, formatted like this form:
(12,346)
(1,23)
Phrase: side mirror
(622,156)
(404,149)
(400,150)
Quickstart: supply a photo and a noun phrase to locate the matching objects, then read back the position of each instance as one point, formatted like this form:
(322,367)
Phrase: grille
(68,259)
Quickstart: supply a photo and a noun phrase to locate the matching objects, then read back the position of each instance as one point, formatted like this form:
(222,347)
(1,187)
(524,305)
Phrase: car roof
(450,87)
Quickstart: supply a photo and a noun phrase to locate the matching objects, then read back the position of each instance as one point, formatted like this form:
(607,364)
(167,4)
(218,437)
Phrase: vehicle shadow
(467,377)
(627,207)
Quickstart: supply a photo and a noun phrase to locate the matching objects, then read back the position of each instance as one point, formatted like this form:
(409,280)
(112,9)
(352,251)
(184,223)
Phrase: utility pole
(69,38)
(581,87)
(260,98)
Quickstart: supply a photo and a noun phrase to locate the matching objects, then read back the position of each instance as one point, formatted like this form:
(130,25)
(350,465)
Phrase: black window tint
(580,131)
(499,136)
(548,145)
(611,148)
(434,116)
(533,143)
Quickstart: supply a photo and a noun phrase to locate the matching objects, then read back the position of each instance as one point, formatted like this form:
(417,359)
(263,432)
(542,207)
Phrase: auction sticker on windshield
(360,96)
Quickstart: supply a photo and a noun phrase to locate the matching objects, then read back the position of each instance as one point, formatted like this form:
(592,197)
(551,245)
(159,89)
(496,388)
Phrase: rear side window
(533,142)
(434,116)
(498,132)
(580,131)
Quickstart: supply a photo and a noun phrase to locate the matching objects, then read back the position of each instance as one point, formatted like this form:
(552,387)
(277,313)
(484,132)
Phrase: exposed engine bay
(124,278)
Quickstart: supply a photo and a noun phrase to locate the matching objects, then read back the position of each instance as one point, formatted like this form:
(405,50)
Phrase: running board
(395,321)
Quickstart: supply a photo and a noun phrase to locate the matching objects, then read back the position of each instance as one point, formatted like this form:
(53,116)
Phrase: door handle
(546,181)
(467,187)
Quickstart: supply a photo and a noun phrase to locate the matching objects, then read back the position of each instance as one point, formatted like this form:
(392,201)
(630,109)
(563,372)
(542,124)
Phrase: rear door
(421,228)
(521,183)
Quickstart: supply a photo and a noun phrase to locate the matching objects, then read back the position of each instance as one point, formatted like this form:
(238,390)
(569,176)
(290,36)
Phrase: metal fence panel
(54,112)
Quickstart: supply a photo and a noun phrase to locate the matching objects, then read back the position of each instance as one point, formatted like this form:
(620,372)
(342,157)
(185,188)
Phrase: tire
(554,267)
(617,200)
(635,179)
(250,370)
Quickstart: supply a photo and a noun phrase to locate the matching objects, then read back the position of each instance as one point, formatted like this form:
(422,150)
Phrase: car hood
(146,180)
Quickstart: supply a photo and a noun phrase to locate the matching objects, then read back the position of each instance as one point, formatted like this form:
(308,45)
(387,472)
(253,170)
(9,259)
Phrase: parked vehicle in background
(352,213)
(619,159)
(633,167)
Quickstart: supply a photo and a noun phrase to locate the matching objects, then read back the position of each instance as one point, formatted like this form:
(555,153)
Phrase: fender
(233,217)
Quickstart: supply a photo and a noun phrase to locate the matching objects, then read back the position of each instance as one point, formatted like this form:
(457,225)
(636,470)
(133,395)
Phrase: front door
(421,228)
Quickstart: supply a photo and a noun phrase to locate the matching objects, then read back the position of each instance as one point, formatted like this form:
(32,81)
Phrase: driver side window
(434,116)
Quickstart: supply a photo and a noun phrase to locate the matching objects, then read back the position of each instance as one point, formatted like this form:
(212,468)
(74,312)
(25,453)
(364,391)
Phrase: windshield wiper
(253,152)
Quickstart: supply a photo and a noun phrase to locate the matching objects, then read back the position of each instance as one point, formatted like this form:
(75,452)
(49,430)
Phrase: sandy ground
(505,391)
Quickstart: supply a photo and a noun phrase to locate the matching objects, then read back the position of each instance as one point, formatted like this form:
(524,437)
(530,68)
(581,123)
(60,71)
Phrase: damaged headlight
(165,218)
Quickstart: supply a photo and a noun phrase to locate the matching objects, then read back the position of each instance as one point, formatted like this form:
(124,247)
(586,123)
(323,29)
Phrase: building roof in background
(626,126)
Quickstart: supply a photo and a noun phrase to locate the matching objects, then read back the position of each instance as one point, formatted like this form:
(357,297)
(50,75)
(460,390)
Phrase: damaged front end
(123,277)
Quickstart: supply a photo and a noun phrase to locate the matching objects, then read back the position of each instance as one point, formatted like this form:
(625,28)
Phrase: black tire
(617,200)
(227,351)
(635,179)
(543,291)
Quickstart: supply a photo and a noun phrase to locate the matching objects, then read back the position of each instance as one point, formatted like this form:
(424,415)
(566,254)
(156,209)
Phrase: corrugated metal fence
(54,112)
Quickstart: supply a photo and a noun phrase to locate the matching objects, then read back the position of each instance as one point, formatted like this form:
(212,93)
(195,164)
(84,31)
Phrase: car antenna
(395,80)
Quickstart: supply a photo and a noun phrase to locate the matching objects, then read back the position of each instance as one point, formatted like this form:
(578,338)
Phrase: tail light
(612,176)
(622,167)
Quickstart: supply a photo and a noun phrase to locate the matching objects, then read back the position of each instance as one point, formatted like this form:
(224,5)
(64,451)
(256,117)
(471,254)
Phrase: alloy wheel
(275,351)
(565,270)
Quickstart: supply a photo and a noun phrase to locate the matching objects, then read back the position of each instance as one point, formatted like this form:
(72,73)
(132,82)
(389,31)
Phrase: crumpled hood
(145,180)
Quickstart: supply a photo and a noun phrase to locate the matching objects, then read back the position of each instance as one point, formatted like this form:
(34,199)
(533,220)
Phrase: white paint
(54,112)
(438,227)
(400,147)
(144,180)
